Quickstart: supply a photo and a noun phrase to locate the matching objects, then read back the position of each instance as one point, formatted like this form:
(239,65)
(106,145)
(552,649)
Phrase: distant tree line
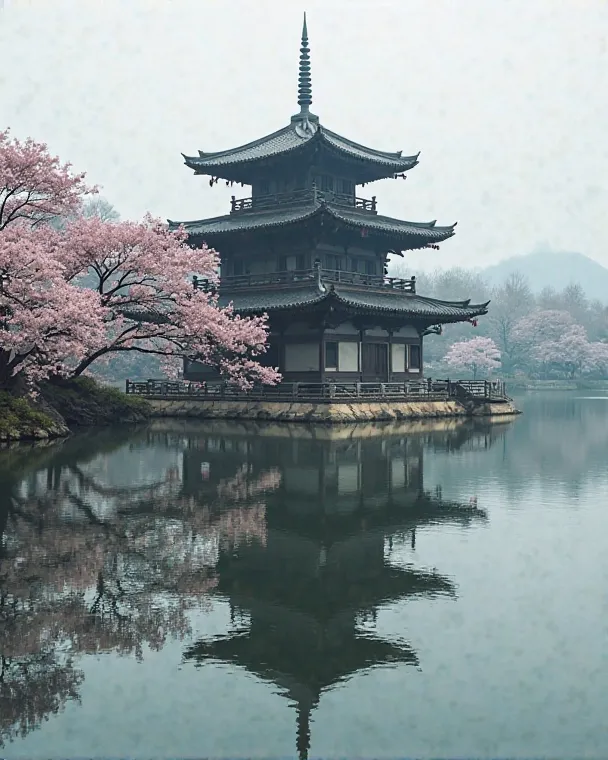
(547,335)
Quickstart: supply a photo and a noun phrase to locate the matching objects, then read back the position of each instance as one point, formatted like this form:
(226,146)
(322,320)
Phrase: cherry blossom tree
(597,358)
(138,296)
(46,323)
(35,186)
(574,354)
(43,318)
(551,339)
(474,355)
(141,272)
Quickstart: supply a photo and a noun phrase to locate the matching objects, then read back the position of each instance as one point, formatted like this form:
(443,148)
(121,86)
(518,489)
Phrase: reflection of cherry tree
(87,567)
(32,689)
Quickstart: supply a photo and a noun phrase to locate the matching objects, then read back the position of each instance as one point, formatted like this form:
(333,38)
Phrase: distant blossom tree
(540,327)
(138,298)
(551,340)
(474,355)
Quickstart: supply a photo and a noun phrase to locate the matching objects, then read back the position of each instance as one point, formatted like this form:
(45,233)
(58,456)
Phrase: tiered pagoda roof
(303,179)
(242,164)
(390,302)
(396,233)
(305,141)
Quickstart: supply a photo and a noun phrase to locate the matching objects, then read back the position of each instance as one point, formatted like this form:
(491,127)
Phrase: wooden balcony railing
(296,197)
(302,275)
(334,392)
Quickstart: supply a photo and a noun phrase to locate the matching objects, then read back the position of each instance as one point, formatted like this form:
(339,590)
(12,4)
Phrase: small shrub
(84,401)
(18,414)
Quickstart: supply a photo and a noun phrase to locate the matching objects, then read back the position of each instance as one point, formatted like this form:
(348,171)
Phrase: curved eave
(236,223)
(396,233)
(241,164)
(363,300)
(374,164)
(396,229)
(420,308)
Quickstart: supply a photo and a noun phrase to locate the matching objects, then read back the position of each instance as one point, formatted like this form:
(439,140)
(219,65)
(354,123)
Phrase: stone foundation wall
(324,412)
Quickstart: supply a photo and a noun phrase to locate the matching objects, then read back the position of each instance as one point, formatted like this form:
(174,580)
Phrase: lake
(231,590)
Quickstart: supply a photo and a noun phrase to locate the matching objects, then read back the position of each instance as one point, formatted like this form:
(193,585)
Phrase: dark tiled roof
(418,234)
(248,221)
(255,300)
(397,302)
(281,141)
(289,139)
(428,230)
(260,299)
(394,160)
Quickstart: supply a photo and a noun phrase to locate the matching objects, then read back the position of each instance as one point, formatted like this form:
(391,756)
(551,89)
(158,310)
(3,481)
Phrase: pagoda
(311,253)
(303,604)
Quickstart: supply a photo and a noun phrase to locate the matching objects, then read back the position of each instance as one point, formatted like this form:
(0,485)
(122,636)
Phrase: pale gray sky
(506,99)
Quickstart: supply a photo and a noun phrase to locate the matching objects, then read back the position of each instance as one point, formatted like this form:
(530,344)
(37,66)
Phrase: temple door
(374,362)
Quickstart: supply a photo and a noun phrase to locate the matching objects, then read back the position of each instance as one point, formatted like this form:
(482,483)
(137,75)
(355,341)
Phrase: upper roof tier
(301,140)
(244,164)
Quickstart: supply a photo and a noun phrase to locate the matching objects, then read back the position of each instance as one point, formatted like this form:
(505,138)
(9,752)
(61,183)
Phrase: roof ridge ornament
(305,121)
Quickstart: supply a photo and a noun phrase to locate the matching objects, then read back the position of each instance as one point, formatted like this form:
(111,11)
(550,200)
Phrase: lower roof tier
(386,302)
(323,217)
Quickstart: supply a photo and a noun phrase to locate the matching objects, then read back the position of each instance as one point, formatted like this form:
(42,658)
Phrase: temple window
(414,358)
(398,352)
(342,356)
(331,355)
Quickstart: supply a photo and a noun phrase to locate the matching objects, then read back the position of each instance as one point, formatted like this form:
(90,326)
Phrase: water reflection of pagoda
(301,603)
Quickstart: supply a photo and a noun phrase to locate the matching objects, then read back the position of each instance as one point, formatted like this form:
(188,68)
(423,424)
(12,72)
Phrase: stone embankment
(326,412)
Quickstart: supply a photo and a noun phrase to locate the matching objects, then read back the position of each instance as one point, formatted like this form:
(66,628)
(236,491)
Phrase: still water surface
(195,589)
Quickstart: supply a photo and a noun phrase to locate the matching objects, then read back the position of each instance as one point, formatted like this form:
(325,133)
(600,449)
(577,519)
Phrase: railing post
(127,387)
(373,202)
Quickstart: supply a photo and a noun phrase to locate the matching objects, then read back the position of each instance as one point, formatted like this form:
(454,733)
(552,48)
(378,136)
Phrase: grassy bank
(20,418)
(83,401)
(63,405)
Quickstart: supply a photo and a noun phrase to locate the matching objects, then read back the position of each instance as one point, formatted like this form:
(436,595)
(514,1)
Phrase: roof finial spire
(305,122)
(304,82)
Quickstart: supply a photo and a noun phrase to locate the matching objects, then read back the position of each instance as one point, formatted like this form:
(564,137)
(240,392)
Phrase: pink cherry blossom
(474,355)
(138,275)
(34,185)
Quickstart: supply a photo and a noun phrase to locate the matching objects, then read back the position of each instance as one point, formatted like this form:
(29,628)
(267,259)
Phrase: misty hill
(555,269)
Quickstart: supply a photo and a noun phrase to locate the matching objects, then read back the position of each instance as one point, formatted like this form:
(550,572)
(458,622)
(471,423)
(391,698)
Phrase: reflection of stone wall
(323,412)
